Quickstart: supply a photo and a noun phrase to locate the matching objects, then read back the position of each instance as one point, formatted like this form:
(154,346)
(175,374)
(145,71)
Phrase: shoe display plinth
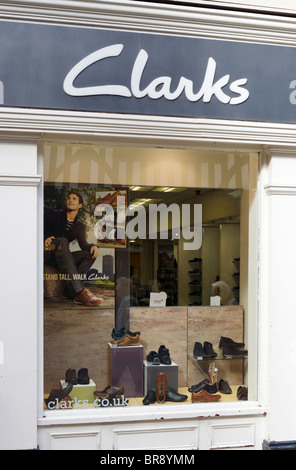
(151,371)
(126,368)
(82,391)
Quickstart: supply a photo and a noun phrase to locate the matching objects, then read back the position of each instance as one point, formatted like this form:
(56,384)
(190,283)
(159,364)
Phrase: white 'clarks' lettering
(118,90)
(160,86)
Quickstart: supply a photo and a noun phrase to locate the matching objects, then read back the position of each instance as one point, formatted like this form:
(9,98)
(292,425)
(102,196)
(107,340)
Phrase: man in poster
(60,228)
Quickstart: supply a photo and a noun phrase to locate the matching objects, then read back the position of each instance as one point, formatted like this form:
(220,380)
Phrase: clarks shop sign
(71,68)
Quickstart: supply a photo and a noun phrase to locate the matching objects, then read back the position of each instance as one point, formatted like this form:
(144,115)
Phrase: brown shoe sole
(85,304)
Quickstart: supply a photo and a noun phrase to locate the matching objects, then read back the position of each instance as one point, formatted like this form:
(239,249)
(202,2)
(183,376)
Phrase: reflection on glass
(173,232)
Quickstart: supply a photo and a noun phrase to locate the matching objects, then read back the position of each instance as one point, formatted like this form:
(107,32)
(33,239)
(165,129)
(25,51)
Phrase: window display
(147,256)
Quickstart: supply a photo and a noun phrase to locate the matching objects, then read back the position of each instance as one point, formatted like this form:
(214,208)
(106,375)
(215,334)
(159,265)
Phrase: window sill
(151,413)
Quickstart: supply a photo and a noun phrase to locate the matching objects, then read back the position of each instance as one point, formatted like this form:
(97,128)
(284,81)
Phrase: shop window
(154,289)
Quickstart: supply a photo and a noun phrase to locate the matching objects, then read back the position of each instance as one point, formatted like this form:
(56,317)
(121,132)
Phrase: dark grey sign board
(87,69)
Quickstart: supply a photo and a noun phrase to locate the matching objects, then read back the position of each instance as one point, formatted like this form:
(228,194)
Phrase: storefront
(163,140)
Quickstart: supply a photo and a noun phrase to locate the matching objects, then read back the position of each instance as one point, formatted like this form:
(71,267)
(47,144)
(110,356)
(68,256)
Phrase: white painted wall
(18,295)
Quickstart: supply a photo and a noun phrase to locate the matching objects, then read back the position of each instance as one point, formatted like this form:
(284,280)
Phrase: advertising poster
(99,221)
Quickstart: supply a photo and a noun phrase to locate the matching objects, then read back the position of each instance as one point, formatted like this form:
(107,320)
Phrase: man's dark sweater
(55,225)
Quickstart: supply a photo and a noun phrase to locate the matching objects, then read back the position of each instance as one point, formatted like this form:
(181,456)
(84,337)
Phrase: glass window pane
(169,243)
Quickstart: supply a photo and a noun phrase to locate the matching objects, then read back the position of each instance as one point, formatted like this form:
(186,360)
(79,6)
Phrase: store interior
(206,278)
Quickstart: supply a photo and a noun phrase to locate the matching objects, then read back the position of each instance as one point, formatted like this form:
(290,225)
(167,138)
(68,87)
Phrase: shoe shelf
(167,273)
(217,358)
(195,284)
(236,278)
(167,278)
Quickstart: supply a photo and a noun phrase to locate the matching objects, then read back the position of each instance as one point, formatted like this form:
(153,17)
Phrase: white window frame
(152,130)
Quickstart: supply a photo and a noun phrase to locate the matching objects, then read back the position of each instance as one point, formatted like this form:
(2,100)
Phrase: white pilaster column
(19,181)
(277,299)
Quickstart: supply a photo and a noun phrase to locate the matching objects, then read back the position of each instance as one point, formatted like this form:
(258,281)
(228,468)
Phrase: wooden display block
(126,369)
(82,392)
(151,372)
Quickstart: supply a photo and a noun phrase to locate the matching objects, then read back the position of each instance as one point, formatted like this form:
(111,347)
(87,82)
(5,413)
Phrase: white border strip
(20,180)
(156,18)
(172,131)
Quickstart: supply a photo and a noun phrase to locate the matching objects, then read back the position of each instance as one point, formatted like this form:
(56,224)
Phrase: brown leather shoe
(204,396)
(109,392)
(129,340)
(70,376)
(161,387)
(87,299)
(242,393)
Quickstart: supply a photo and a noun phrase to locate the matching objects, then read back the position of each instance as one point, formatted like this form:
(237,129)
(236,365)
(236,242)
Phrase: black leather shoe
(174,396)
(198,350)
(166,360)
(133,333)
(208,350)
(225,341)
(212,388)
(232,350)
(164,355)
(150,397)
(153,358)
(198,387)
(56,395)
(83,377)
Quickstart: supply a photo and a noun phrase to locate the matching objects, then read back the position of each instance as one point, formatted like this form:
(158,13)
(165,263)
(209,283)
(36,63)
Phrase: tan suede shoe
(129,340)
(204,396)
